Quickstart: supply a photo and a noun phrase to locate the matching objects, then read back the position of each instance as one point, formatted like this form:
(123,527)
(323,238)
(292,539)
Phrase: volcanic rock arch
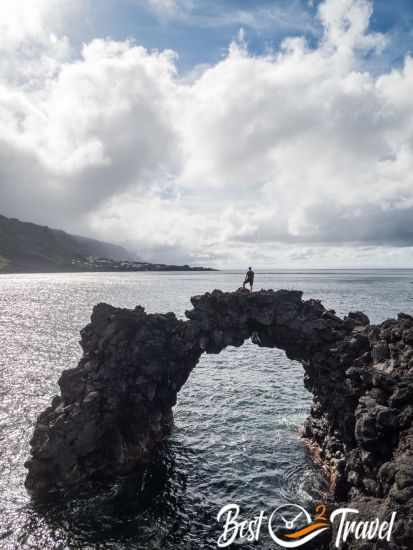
(116,405)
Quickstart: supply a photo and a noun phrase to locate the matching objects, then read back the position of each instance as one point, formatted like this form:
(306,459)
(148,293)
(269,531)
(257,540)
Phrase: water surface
(237,418)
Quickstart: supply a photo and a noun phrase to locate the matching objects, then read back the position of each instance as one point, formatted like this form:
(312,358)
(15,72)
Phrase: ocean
(236,436)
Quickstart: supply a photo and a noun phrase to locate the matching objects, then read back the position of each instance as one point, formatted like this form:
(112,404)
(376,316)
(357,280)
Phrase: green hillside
(29,247)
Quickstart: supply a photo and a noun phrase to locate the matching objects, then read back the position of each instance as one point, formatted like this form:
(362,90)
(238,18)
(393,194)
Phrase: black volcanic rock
(116,405)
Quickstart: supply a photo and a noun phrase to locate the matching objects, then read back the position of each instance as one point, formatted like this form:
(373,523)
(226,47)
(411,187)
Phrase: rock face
(116,405)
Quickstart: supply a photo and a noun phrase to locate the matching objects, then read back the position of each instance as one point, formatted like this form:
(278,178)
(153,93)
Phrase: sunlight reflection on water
(236,419)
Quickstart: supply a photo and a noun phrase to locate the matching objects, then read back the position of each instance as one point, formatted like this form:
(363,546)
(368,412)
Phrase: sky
(270,133)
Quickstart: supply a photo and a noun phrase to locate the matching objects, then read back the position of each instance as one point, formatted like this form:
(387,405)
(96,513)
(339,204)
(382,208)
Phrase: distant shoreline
(157,270)
(183,269)
(30,248)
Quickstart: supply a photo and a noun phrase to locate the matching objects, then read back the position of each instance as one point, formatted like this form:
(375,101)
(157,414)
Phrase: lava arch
(116,405)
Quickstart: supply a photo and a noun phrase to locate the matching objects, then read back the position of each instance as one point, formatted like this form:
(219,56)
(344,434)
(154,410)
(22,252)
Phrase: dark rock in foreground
(116,406)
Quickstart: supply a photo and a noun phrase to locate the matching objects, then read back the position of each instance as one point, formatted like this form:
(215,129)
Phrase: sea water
(236,435)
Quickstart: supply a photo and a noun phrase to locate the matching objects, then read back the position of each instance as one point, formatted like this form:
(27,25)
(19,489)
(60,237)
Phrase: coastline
(168,268)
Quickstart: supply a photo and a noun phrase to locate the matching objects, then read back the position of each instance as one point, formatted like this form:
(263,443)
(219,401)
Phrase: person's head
(249,269)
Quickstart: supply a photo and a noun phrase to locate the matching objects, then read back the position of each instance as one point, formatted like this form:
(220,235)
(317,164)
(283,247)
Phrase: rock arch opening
(239,414)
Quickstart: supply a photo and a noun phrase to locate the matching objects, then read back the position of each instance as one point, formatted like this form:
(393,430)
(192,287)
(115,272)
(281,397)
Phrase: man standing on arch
(249,278)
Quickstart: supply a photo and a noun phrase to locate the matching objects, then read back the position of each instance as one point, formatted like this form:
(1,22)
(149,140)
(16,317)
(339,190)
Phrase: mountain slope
(30,247)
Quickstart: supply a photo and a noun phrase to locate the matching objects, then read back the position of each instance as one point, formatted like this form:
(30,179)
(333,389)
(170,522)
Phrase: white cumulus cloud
(290,157)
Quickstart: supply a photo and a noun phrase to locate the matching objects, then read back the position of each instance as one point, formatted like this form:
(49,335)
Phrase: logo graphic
(291,526)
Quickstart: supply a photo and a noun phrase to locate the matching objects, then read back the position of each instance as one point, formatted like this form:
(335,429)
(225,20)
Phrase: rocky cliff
(116,405)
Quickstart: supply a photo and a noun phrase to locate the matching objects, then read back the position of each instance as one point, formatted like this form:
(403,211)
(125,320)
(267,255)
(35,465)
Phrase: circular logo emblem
(291,526)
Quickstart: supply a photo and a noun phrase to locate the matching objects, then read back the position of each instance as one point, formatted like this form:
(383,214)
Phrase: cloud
(32,44)
(293,156)
(289,16)
(167,9)
(102,125)
(24,22)
(346,25)
(164,6)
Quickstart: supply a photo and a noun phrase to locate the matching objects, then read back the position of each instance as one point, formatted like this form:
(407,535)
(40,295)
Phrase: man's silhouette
(249,278)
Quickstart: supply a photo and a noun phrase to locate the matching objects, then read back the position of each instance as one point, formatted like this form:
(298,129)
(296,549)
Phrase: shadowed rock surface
(116,405)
